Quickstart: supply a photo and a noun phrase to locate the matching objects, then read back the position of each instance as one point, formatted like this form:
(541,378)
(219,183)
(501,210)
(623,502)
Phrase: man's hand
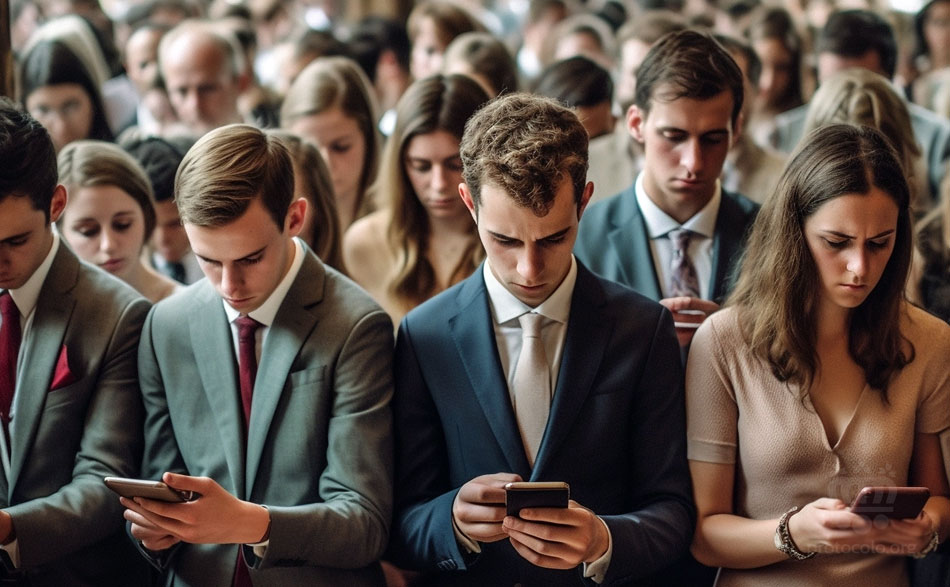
(7,535)
(558,538)
(688,311)
(479,507)
(216,517)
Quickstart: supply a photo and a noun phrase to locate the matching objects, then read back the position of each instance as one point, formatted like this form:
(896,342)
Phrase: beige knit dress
(739,413)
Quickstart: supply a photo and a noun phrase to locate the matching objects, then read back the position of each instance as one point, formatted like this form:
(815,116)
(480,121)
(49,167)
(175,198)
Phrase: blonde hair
(227,169)
(89,163)
(338,82)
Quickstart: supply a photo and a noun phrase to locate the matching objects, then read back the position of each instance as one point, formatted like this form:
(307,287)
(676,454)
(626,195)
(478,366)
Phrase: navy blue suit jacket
(613,241)
(615,434)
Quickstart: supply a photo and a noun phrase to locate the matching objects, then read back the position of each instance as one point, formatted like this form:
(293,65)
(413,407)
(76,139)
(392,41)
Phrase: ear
(585,198)
(58,203)
(635,121)
(469,201)
(296,213)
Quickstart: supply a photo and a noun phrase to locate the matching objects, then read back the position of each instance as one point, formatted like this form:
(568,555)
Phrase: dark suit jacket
(615,434)
(319,450)
(613,241)
(65,440)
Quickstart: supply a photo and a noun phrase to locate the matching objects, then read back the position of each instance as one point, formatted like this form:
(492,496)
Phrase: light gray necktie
(683,278)
(532,385)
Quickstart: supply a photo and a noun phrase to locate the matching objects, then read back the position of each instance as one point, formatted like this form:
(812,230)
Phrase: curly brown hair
(524,144)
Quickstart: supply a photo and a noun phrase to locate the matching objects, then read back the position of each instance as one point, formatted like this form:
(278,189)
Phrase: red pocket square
(63,376)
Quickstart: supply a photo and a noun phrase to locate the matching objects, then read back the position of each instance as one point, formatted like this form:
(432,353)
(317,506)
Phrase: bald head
(202,68)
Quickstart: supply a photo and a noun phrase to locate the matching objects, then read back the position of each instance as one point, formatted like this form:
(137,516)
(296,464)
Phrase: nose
(858,263)
(107,241)
(530,264)
(230,280)
(437,180)
(692,156)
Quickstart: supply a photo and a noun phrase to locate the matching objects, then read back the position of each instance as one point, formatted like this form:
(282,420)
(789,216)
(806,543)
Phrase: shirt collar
(267,311)
(659,223)
(26,296)
(505,306)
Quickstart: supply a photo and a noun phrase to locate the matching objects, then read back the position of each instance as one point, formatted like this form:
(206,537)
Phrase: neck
(448,227)
(346,209)
(832,322)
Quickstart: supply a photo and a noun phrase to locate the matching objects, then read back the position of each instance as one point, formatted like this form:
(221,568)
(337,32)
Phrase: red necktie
(247,370)
(9,351)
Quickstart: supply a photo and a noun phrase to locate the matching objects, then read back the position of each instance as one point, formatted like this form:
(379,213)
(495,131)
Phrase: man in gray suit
(266,389)
(69,408)
(675,235)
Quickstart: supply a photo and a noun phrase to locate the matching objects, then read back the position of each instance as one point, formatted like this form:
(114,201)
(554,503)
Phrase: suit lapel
(630,241)
(727,241)
(292,325)
(586,339)
(54,309)
(214,354)
(471,329)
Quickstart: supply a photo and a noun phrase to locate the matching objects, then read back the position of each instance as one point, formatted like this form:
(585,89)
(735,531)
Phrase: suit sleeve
(423,535)
(660,530)
(350,528)
(110,445)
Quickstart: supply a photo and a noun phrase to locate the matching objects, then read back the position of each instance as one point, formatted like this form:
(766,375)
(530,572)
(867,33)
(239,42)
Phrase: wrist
(601,542)
(257,524)
(783,538)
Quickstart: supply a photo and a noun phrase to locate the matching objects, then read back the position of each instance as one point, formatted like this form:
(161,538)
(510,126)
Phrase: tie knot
(8,307)
(680,238)
(531,324)
(247,326)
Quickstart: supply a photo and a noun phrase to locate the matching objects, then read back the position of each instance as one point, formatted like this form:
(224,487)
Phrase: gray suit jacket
(71,431)
(319,448)
(613,242)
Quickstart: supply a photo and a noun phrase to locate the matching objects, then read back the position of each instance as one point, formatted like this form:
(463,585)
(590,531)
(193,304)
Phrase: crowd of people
(334,281)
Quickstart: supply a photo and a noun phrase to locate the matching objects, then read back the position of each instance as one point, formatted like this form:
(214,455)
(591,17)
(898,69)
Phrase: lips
(112,265)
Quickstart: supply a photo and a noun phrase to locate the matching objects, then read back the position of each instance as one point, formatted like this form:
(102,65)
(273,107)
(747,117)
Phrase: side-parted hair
(451,20)
(314,176)
(435,103)
(779,287)
(775,22)
(487,56)
(28,156)
(688,64)
(525,145)
(90,163)
(852,33)
(338,82)
(575,81)
(226,170)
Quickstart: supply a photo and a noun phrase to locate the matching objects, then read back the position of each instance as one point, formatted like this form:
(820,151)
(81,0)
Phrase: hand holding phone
(895,503)
(156,490)
(535,494)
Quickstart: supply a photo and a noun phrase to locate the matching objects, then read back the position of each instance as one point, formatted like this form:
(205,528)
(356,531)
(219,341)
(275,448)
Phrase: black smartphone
(148,489)
(535,494)
(891,502)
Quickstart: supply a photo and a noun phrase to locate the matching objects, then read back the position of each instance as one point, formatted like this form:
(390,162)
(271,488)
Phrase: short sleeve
(933,409)
(711,410)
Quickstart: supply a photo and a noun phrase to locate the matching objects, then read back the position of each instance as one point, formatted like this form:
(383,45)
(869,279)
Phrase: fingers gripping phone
(891,502)
(535,494)
(156,490)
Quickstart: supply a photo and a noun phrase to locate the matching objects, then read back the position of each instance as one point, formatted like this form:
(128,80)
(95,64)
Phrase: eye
(673,137)
(87,230)
(252,260)
(553,241)
(878,245)
(17,241)
(454,165)
(505,242)
(340,148)
(420,166)
(836,244)
(122,225)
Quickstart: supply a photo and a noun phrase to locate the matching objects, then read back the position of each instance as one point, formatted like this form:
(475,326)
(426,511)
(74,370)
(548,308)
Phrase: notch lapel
(292,325)
(53,312)
(727,241)
(471,329)
(631,244)
(217,366)
(586,340)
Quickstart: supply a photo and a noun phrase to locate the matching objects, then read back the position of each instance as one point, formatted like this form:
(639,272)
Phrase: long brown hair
(438,102)
(778,288)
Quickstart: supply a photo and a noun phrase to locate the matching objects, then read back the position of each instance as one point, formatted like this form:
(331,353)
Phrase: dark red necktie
(247,371)
(9,351)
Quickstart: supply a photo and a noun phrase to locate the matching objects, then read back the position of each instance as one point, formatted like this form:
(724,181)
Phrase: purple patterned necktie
(683,278)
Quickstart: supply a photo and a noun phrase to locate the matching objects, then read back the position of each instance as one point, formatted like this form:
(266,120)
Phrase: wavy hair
(778,288)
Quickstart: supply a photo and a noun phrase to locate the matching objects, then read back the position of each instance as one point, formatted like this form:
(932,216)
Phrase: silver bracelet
(783,539)
(931,546)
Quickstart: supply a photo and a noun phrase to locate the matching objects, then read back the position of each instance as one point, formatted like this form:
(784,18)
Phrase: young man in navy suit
(535,369)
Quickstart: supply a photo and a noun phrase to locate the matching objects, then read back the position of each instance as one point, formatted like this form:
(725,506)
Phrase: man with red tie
(266,389)
(69,408)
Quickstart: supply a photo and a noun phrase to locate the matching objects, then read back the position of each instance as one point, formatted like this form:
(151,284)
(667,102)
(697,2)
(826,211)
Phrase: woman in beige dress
(819,379)
(110,214)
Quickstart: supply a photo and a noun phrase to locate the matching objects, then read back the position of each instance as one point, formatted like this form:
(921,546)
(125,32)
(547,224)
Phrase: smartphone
(891,502)
(535,494)
(148,489)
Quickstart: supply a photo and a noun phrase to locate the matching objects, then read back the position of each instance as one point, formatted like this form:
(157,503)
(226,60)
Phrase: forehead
(436,144)
(17,215)
(698,116)
(500,213)
(57,93)
(100,201)
(250,232)
(872,212)
(195,54)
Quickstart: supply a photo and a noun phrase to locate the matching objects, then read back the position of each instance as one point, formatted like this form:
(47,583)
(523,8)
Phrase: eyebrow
(552,236)
(248,256)
(683,130)
(848,236)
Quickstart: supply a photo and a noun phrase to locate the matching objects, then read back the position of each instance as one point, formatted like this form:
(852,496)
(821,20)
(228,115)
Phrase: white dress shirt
(25,297)
(659,224)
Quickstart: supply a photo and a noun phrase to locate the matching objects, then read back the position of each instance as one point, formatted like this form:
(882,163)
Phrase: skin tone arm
(825,525)
(217,517)
(686,309)
(547,537)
